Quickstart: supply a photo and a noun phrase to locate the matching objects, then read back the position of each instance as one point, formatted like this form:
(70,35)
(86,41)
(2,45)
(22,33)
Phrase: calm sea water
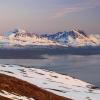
(86,68)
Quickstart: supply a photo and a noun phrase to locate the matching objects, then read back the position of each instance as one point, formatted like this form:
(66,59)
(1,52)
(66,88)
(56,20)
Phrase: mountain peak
(78,34)
(66,38)
(19,31)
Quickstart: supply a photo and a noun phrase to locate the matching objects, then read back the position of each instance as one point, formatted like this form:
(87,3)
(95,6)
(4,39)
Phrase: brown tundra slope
(19,82)
(17,86)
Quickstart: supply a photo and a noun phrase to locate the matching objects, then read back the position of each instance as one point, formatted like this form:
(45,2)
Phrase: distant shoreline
(36,53)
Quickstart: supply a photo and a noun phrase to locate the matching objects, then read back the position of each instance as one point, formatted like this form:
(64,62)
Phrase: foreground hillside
(28,83)
(16,89)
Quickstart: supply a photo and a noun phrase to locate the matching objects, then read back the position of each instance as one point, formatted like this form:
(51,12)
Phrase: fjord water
(86,68)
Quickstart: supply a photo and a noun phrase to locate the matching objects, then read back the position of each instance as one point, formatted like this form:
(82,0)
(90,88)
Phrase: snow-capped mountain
(23,38)
(59,37)
(73,38)
(21,35)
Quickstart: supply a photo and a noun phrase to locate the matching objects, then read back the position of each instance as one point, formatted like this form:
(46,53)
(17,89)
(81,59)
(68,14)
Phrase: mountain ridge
(73,38)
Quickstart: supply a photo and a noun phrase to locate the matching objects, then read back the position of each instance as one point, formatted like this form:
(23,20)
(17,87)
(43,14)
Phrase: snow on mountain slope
(73,38)
(61,85)
(22,37)
(14,96)
(95,38)
(61,37)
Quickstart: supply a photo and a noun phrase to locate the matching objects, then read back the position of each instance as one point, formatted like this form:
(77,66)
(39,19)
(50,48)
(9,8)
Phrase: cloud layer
(77,7)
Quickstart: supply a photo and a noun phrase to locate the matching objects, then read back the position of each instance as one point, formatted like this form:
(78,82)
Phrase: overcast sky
(42,16)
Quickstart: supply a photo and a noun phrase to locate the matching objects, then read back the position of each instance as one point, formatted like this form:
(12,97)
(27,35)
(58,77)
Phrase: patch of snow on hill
(14,96)
(62,85)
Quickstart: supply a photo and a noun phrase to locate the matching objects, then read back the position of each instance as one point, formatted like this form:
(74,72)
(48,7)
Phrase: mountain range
(73,38)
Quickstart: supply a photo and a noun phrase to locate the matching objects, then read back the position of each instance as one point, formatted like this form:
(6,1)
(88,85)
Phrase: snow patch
(14,96)
(62,85)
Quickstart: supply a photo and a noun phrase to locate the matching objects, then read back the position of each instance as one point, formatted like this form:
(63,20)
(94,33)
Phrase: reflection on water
(86,68)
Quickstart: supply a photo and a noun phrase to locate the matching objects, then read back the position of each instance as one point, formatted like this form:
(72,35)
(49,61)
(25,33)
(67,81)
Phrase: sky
(50,16)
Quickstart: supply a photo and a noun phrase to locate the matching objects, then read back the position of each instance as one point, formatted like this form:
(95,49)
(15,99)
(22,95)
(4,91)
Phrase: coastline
(38,52)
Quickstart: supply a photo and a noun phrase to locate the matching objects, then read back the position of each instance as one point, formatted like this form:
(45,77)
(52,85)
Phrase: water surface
(86,68)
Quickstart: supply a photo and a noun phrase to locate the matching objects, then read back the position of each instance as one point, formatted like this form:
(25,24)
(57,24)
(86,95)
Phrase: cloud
(76,8)
(67,10)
